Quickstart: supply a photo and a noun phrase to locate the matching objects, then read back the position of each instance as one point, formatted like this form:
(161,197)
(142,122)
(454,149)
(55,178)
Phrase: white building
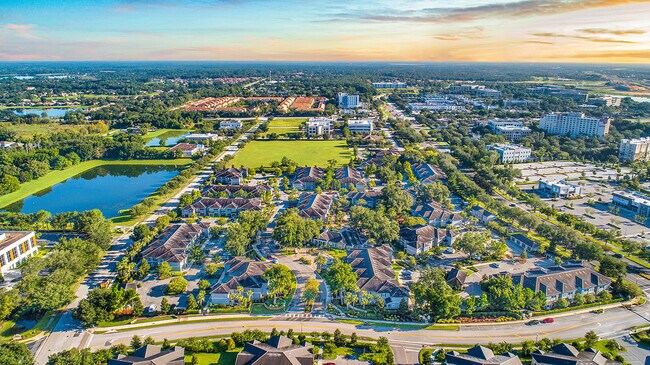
(606,101)
(634,149)
(231,124)
(511,152)
(347,101)
(511,129)
(201,137)
(15,248)
(364,126)
(560,188)
(489,93)
(574,125)
(389,85)
(636,202)
(318,127)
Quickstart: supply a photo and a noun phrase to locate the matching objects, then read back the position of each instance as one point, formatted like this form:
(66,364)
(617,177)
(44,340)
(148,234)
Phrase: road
(68,332)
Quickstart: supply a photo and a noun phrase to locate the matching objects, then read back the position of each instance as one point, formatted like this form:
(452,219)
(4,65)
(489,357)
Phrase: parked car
(618,256)
(495,265)
(532,323)
(450,250)
(548,320)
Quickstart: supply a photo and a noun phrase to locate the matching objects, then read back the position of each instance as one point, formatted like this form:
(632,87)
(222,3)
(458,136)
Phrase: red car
(548,320)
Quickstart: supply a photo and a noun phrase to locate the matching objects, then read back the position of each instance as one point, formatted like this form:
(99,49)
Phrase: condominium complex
(389,85)
(511,152)
(347,101)
(364,126)
(318,127)
(512,130)
(15,248)
(574,125)
(634,149)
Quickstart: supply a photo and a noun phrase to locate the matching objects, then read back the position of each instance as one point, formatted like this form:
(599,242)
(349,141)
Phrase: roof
(186,147)
(434,211)
(348,175)
(349,237)
(241,272)
(565,354)
(11,237)
(231,173)
(314,206)
(231,190)
(375,271)
(426,172)
(456,276)
(523,238)
(172,243)
(279,350)
(480,355)
(563,278)
(151,355)
(308,174)
(226,203)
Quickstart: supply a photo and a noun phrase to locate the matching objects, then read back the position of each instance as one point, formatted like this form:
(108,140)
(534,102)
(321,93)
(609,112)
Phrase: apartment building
(347,101)
(511,152)
(316,127)
(389,85)
(173,244)
(634,149)
(15,248)
(231,124)
(574,125)
(364,126)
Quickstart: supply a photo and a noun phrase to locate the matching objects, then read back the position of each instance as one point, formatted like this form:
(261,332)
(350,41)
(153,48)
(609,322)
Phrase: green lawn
(283,127)
(159,132)
(312,153)
(29,130)
(222,358)
(57,176)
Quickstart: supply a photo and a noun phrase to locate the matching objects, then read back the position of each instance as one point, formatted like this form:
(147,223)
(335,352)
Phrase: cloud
(642,55)
(539,42)
(446,37)
(23,31)
(613,31)
(580,37)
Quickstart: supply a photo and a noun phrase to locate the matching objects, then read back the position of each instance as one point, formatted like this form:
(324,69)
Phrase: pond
(108,188)
(167,139)
(51,113)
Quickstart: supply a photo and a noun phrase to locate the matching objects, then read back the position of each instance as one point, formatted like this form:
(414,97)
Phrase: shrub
(177,285)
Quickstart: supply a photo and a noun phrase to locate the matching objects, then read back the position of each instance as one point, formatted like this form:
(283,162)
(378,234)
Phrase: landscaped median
(152,323)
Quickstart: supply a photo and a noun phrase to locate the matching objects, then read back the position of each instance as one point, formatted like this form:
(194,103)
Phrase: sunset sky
(313,30)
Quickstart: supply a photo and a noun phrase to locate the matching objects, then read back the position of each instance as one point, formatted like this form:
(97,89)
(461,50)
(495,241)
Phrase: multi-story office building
(489,93)
(634,149)
(560,188)
(574,125)
(389,85)
(634,201)
(318,127)
(513,130)
(511,152)
(364,126)
(15,248)
(347,101)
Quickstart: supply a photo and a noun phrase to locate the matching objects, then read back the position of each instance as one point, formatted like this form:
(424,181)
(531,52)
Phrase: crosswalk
(299,317)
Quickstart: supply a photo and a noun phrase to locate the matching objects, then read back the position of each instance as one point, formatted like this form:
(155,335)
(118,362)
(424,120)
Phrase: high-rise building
(634,149)
(574,125)
(347,101)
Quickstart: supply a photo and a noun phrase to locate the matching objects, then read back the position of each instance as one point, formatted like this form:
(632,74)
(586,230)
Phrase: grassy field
(285,126)
(312,153)
(28,130)
(222,358)
(57,176)
(160,132)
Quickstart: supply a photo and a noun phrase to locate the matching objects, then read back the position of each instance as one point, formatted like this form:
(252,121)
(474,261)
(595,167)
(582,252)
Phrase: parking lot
(513,266)
(566,170)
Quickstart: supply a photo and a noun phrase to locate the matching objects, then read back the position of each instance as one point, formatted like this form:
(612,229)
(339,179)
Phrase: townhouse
(434,214)
(428,173)
(564,354)
(368,198)
(173,244)
(350,177)
(342,239)
(314,206)
(231,176)
(481,355)
(244,273)
(221,207)
(307,177)
(483,215)
(279,350)
(230,191)
(420,239)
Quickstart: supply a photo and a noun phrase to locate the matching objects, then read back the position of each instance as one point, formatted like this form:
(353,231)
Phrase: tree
(524,254)
(211,269)
(14,353)
(435,296)
(164,270)
(470,305)
(9,300)
(294,231)
(177,285)
(136,342)
(435,191)
(164,306)
(393,197)
(191,303)
(590,339)
(375,224)
(320,261)
(612,267)
(473,243)
(311,291)
(588,251)
(341,278)
(280,280)
(143,269)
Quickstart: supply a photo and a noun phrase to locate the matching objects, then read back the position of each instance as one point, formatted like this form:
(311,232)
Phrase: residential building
(563,281)
(221,207)
(188,149)
(636,202)
(574,125)
(231,176)
(15,248)
(343,239)
(364,126)
(634,149)
(317,127)
(202,137)
(565,354)
(368,198)
(483,215)
(611,101)
(375,274)
(480,355)
(231,191)
(314,206)
(307,177)
(151,355)
(240,272)
(350,177)
(559,188)
(510,153)
(174,243)
(435,215)
(492,93)
(420,239)
(230,124)
(524,242)
(428,173)
(279,350)
(347,101)
(389,85)
(456,278)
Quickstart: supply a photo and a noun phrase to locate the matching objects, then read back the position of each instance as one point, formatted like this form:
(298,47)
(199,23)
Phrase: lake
(108,188)
(170,138)
(51,113)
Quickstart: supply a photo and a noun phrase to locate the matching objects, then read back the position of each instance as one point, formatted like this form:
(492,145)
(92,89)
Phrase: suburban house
(188,149)
(375,274)
(151,355)
(240,272)
(307,177)
(564,353)
(435,215)
(15,248)
(563,281)
(456,278)
(230,124)
(483,215)
(343,239)
(221,207)
(350,177)
(420,239)
(314,206)
(279,350)
(524,242)
(428,173)
(369,197)
(481,355)
(229,191)
(231,176)
(173,244)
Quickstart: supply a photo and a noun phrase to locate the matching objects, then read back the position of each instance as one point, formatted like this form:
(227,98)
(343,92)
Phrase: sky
(608,31)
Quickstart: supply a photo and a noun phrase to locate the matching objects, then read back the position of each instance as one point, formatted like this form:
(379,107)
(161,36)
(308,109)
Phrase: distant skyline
(608,31)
